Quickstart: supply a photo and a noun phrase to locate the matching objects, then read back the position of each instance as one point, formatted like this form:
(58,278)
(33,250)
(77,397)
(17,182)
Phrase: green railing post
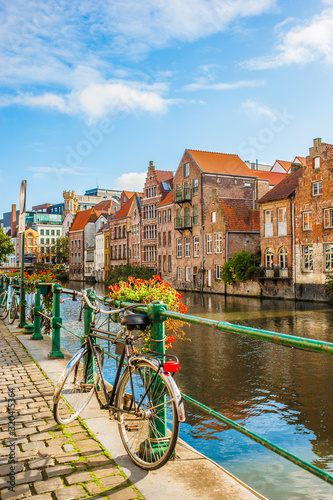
(56,322)
(1,284)
(158,345)
(88,316)
(37,335)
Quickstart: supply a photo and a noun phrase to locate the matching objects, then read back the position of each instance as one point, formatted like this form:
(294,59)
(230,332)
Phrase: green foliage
(6,246)
(329,287)
(122,273)
(61,248)
(241,267)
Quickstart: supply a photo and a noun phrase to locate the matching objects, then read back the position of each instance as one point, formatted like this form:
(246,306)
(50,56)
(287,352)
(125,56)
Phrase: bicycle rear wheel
(3,305)
(13,310)
(149,432)
(75,388)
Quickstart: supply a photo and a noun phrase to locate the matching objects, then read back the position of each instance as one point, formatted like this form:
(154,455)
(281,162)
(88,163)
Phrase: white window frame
(218,242)
(268,218)
(328,257)
(283,258)
(196,246)
(282,221)
(269,258)
(186,169)
(213,216)
(208,243)
(316,162)
(317,188)
(218,271)
(179,248)
(187,274)
(307,220)
(187,244)
(179,273)
(209,277)
(307,258)
(328,217)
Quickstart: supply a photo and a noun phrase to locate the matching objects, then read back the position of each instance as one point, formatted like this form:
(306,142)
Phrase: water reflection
(283,394)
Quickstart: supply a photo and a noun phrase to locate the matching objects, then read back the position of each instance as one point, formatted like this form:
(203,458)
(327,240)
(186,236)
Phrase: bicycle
(144,398)
(9,302)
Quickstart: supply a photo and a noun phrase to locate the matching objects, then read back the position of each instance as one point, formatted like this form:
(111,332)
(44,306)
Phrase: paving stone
(112,481)
(67,458)
(80,466)
(35,423)
(50,451)
(58,470)
(120,494)
(41,463)
(48,485)
(93,488)
(99,460)
(26,455)
(37,445)
(80,436)
(21,440)
(105,471)
(28,476)
(44,496)
(73,430)
(6,469)
(78,477)
(40,436)
(25,431)
(49,427)
(70,493)
(56,441)
(21,491)
(91,451)
(86,443)
(68,447)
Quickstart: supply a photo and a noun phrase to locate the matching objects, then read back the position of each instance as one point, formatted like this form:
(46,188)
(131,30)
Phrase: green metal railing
(158,313)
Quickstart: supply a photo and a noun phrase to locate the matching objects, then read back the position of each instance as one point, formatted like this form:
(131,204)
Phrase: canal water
(281,393)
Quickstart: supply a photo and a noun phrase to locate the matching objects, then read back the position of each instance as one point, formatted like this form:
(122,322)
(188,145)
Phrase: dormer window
(317,162)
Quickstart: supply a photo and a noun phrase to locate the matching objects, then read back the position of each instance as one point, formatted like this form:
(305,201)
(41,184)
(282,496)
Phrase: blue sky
(91,91)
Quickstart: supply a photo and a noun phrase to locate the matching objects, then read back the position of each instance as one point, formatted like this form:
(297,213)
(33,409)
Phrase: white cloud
(97,100)
(131,182)
(41,172)
(252,107)
(302,44)
(205,84)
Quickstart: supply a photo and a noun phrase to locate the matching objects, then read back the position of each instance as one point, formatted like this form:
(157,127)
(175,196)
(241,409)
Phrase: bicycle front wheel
(148,424)
(75,388)
(3,305)
(13,310)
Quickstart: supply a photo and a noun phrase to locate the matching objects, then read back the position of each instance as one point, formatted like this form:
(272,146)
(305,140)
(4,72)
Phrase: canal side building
(215,207)
(314,222)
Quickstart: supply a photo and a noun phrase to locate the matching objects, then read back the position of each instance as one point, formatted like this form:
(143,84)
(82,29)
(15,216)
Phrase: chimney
(13,221)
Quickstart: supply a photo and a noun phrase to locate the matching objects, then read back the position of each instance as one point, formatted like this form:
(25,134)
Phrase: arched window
(268,258)
(283,257)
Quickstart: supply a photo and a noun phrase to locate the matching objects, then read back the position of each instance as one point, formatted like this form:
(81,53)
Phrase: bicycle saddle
(135,321)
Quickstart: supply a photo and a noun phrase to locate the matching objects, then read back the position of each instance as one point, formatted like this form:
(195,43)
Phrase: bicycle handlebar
(84,296)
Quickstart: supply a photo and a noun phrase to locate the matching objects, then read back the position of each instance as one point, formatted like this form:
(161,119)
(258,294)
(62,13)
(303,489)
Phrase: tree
(61,249)
(6,246)
(241,267)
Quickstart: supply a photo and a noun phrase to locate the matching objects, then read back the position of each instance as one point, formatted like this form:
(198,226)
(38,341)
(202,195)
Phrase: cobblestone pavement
(38,458)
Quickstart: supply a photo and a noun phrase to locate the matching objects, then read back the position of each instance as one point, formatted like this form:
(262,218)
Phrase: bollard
(56,322)
(37,335)
(158,334)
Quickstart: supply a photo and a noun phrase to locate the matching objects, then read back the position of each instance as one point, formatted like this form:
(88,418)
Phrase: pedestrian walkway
(47,462)
(70,462)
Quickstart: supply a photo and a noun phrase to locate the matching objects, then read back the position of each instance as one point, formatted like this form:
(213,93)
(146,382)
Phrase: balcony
(276,273)
(182,195)
(182,223)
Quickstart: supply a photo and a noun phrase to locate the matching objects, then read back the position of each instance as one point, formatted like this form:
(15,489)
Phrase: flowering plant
(146,291)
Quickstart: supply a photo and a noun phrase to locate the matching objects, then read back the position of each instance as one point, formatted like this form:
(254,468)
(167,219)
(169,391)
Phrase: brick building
(165,237)
(277,209)
(314,220)
(158,185)
(134,240)
(207,188)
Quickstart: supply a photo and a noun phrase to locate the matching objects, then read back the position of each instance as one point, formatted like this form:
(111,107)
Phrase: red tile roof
(300,159)
(284,164)
(220,163)
(273,177)
(168,199)
(164,175)
(239,217)
(103,206)
(81,220)
(124,211)
(284,189)
(102,228)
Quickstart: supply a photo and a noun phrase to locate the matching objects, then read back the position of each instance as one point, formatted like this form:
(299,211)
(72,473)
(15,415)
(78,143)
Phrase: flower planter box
(269,273)
(283,273)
